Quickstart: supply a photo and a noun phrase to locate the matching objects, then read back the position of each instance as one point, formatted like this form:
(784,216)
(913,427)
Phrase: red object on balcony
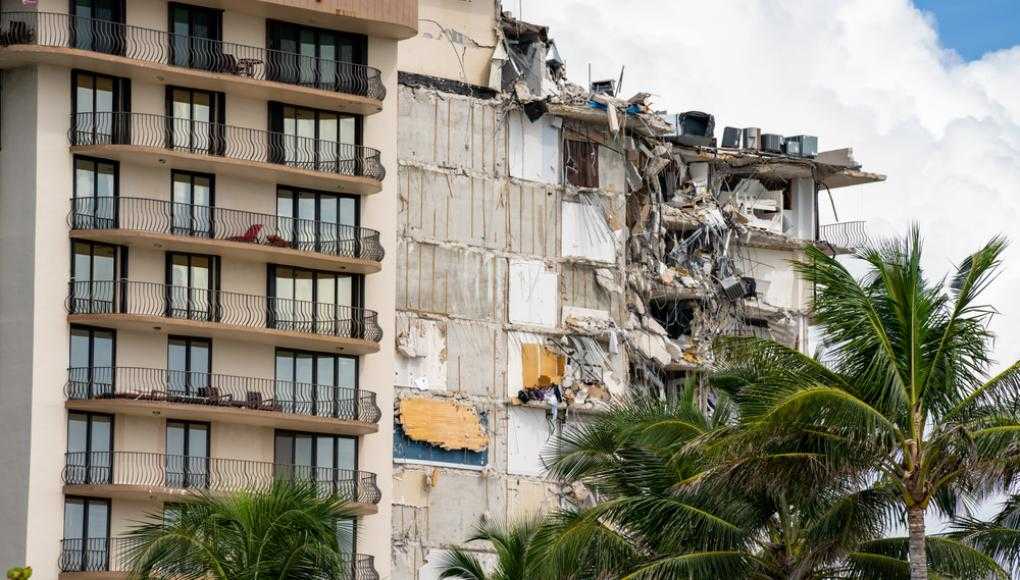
(250,236)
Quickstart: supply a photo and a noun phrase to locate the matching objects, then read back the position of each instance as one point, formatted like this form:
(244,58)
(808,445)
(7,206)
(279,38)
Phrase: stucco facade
(37,183)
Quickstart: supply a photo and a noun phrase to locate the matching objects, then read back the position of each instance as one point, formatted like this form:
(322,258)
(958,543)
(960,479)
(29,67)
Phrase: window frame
(216,40)
(117,290)
(292,231)
(76,196)
(92,330)
(87,467)
(216,141)
(212,314)
(119,126)
(313,322)
(86,506)
(185,471)
(315,356)
(191,230)
(190,389)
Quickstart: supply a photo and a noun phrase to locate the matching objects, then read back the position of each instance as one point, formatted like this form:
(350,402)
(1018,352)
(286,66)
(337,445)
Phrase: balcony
(215,397)
(156,476)
(843,237)
(97,558)
(231,233)
(147,306)
(159,56)
(214,148)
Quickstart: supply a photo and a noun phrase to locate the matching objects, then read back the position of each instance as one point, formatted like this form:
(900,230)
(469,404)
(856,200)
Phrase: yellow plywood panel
(443,423)
(542,367)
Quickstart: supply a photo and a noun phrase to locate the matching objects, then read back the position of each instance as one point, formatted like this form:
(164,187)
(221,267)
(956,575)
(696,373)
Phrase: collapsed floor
(557,251)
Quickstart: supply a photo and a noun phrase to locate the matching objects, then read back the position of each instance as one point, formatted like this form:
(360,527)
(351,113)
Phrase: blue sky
(975,27)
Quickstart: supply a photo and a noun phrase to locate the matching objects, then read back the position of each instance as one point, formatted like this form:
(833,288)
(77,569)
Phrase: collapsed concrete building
(561,248)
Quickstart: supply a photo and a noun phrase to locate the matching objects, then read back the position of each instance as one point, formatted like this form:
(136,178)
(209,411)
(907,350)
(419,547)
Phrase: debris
(442,422)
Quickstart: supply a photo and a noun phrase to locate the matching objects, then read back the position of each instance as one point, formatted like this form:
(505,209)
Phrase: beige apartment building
(196,231)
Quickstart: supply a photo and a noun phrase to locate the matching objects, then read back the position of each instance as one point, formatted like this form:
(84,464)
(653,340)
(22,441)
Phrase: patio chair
(250,237)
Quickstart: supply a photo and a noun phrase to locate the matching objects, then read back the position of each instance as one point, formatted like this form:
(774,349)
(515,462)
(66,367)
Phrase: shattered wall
(501,268)
(558,251)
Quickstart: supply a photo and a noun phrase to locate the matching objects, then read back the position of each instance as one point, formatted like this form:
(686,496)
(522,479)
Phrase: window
(192,286)
(95,192)
(92,362)
(187,454)
(195,120)
(347,536)
(316,57)
(581,163)
(94,274)
(89,448)
(189,362)
(313,301)
(98,25)
(326,460)
(318,222)
(86,535)
(97,101)
(316,383)
(195,34)
(314,139)
(194,195)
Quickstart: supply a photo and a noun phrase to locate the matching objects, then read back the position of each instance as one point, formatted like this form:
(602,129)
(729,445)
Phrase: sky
(873,75)
(939,115)
(974,28)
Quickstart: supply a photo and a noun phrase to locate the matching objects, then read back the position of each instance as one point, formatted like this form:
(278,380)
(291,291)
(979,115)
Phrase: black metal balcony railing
(850,235)
(200,221)
(193,388)
(228,141)
(232,308)
(211,474)
(160,47)
(114,555)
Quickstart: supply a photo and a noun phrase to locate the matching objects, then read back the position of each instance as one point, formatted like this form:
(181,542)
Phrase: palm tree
(999,536)
(669,508)
(289,531)
(511,544)
(904,396)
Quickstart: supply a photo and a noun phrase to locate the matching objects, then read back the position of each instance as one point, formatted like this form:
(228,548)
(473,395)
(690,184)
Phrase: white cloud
(870,74)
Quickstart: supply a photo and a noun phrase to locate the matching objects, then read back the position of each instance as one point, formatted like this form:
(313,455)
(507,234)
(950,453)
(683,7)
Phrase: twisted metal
(161,47)
(851,235)
(218,140)
(199,221)
(114,555)
(194,388)
(248,310)
(211,474)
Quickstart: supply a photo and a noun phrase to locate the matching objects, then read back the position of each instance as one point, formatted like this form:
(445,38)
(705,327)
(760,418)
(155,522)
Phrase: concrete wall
(18,198)
(483,268)
(455,41)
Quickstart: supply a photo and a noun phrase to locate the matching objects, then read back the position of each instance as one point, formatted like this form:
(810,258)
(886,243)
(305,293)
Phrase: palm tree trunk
(918,554)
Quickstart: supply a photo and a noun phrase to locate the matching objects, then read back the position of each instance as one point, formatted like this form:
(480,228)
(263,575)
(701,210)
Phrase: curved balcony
(185,227)
(147,476)
(216,397)
(216,148)
(110,558)
(147,306)
(843,237)
(157,55)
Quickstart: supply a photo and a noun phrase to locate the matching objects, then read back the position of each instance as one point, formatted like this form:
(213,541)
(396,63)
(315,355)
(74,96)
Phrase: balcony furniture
(246,66)
(250,236)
